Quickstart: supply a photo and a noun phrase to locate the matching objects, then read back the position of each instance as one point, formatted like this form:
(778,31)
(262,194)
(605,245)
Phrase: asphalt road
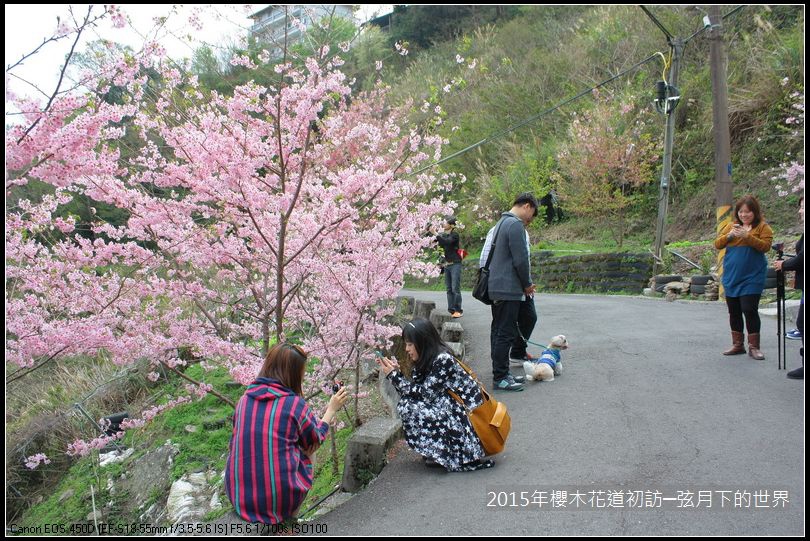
(646,406)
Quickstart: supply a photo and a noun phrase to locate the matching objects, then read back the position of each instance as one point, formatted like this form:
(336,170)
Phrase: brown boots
(753,347)
(737,347)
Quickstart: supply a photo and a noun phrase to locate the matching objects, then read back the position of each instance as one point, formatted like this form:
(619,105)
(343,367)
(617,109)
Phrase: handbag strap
(472,374)
(492,248)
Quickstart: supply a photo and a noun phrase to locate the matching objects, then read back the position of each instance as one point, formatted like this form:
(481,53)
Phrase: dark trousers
(800,325)
(503,333)
(527,319)
(452,282)
(747,305)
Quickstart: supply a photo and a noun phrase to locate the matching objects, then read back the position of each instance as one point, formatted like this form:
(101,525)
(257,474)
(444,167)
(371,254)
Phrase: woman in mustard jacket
(746,239)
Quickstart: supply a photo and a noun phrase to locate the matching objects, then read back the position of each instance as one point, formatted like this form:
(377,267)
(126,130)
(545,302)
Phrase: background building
(273,22)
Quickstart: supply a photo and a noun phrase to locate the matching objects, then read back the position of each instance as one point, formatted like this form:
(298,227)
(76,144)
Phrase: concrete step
(791,309)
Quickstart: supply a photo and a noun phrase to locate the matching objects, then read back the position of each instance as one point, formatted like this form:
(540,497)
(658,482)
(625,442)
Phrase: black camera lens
(335,387)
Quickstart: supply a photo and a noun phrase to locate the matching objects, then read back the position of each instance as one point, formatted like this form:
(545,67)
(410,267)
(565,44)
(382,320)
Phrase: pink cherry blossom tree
(283,212)
(609,157)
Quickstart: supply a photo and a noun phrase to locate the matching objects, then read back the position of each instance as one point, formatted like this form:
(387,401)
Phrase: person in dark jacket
(797,264)
(449,241)
(510,283)
(275,434)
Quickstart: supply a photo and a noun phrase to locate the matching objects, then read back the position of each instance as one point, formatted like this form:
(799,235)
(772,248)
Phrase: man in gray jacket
(510,282)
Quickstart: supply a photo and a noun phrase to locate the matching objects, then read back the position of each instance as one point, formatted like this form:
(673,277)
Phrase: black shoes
(797,373)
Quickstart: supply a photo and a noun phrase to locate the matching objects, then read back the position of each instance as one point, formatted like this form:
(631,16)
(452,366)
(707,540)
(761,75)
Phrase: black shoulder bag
(481,289)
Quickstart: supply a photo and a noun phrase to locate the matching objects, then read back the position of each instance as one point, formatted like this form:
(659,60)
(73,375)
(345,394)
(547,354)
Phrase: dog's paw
(529,378)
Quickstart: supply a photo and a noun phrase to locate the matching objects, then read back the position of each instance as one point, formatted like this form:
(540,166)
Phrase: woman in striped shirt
(275,434)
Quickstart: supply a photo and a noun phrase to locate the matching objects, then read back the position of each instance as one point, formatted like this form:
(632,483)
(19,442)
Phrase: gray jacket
(509,272)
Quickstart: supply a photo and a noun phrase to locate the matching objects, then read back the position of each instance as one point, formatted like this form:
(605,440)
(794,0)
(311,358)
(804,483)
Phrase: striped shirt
(268,475)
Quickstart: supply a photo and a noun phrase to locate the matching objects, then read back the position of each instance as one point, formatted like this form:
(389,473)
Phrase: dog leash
(529,341)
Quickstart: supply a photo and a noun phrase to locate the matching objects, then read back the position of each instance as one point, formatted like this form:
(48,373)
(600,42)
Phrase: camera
(778,246)
(336,385)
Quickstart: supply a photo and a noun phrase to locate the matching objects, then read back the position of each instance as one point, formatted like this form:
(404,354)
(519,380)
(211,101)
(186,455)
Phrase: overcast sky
(28,25)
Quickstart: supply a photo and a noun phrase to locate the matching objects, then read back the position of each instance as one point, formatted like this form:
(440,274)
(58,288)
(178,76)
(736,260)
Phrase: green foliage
(707,261)
(325,479)
(331,31)
(206,447)
(369,47)
(570,287)
(74,507)
(667,262)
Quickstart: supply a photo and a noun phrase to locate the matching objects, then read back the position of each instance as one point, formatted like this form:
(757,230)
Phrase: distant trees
(422,26)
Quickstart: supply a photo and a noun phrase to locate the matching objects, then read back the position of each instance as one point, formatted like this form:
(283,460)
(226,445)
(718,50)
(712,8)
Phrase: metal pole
(669,137)
(780,318)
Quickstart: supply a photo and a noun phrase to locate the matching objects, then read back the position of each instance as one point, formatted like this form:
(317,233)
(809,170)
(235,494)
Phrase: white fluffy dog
(549,364)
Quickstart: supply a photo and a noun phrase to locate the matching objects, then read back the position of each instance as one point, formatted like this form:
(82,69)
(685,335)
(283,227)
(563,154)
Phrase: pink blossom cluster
(33,462)
(793,174)
(151,413)
(84,448)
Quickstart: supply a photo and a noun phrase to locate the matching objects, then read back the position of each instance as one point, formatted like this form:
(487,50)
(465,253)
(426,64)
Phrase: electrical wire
(666,65)
(666,32)
(703,28)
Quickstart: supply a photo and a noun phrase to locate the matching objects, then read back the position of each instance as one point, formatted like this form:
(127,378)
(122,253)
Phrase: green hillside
(527,62)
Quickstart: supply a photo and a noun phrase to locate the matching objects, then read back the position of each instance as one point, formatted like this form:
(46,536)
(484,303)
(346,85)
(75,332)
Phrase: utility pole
(722,145)
(667,96)
(677,46)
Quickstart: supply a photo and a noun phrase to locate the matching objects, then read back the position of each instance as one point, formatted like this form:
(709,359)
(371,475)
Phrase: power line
(657,23)
(705,26)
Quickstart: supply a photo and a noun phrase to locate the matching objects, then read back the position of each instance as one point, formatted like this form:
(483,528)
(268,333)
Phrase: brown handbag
(490,420)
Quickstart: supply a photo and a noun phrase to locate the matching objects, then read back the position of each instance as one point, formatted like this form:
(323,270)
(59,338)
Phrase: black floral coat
(435,425)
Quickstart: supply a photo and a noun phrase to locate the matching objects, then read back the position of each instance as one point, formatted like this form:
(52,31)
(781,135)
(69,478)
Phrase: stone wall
(595,272)
(587,272)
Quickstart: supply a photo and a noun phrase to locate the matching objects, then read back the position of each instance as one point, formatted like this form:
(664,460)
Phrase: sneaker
(519,379)
(508,384)
(795,334)
(798,373)
(520,360)
(456,315)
